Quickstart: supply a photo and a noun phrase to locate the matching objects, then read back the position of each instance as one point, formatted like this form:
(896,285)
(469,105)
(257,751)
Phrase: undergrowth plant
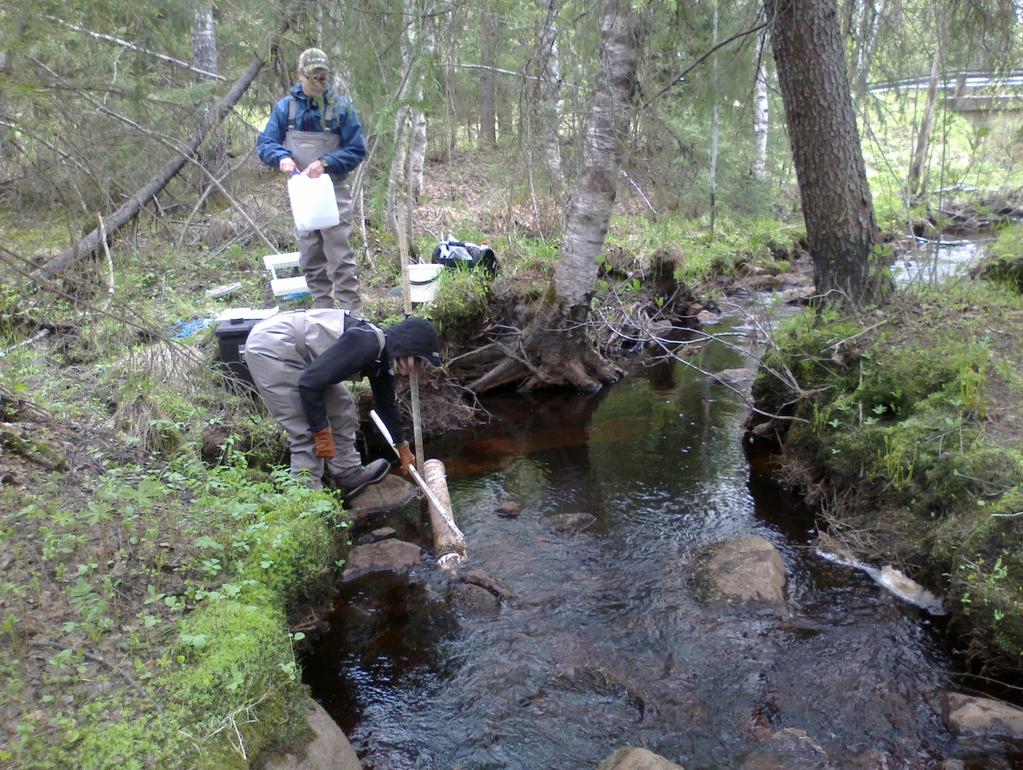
(223,553)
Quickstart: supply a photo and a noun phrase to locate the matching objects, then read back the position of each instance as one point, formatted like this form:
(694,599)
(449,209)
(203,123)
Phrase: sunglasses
(321,78)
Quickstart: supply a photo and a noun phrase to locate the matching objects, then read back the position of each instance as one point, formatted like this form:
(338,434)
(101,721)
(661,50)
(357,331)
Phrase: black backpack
(468,255)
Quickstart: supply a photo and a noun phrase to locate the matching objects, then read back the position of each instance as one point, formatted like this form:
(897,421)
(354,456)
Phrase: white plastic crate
(285,286)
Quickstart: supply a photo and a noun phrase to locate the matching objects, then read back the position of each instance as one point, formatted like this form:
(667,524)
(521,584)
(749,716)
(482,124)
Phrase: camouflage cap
(312,59)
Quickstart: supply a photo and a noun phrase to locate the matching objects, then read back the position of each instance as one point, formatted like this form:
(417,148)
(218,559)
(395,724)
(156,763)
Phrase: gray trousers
(327,259)
(275,366)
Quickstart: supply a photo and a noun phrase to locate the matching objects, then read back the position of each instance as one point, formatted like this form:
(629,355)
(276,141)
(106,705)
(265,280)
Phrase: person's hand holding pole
(405,457)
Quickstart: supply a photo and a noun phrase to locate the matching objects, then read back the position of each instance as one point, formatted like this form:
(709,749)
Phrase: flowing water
(932,261)
(604,643)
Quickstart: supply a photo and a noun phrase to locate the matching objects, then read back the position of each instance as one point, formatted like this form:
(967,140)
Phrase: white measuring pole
(448,540)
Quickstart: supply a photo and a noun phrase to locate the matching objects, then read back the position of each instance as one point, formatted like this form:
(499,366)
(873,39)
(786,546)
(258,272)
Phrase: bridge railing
(951,81)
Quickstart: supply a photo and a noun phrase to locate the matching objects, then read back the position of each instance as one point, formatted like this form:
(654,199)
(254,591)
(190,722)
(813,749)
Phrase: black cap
(414,337)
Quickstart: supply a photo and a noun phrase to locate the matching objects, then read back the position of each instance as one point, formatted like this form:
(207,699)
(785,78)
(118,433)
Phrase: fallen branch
(133,47)
(152,188)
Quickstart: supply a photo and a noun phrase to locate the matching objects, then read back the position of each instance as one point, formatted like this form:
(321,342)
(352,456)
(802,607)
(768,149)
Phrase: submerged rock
(789,749)
(601,681)
(390,556)
(632,758)
(472,600)
(378,534)
(747,569)
(509,509)
(478,577)
(571,522)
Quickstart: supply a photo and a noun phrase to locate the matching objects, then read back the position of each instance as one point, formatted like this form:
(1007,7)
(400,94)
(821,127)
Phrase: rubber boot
(350,483)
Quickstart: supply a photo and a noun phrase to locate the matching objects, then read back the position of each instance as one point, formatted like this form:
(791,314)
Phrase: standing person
(314,131)
(298,360)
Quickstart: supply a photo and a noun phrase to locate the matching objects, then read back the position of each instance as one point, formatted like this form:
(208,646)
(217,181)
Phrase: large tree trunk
(488,78)
(152,188)
(837,205)
(556,343)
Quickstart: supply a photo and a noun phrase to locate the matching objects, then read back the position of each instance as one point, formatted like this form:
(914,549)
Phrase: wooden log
(448,541)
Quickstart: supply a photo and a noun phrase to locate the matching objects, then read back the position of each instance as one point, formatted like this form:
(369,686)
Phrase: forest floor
(156,574)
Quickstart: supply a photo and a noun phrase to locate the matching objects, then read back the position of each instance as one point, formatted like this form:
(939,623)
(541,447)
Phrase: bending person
(298,360)
(315,131)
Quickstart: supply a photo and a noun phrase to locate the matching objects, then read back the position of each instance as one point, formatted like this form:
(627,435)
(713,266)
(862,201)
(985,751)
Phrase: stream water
(604,643)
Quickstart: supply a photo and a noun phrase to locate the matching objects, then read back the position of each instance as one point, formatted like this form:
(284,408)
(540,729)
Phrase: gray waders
(325,256)
(276,352)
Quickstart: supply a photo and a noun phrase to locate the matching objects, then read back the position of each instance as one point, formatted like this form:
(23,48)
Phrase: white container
(313,204)
(423,281)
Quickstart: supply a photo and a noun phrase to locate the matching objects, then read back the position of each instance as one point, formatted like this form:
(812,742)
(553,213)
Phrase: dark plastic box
(231,336)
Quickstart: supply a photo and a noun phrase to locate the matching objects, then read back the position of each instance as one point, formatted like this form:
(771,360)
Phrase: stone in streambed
(633,758)
(746,569)
(509,509)
(388,495)
(394,557)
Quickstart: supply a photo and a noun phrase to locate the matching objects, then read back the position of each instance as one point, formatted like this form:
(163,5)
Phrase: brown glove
(323,440)
(406,458)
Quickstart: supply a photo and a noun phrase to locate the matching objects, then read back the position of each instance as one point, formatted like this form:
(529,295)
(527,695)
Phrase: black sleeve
(354,352)
(381,381)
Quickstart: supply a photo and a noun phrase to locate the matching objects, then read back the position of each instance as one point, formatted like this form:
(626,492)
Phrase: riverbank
(903,424)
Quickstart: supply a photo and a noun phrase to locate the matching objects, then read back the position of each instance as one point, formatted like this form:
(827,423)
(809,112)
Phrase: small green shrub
(461,301)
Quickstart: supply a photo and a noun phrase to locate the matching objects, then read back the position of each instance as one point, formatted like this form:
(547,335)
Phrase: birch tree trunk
(398,179)
(916,167)
(488,77)
(550,91)
(213,152)
(714,121)
(837,205)
(450,56)
(556,341)
(417,162)
(761,118)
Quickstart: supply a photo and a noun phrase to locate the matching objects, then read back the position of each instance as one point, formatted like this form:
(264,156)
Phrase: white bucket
(313,204)
(423,281)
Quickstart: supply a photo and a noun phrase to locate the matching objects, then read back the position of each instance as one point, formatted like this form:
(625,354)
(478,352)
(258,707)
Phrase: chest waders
(325,256)
(279,354)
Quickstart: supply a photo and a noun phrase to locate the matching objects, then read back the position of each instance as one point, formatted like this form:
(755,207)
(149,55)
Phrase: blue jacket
(344,123)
